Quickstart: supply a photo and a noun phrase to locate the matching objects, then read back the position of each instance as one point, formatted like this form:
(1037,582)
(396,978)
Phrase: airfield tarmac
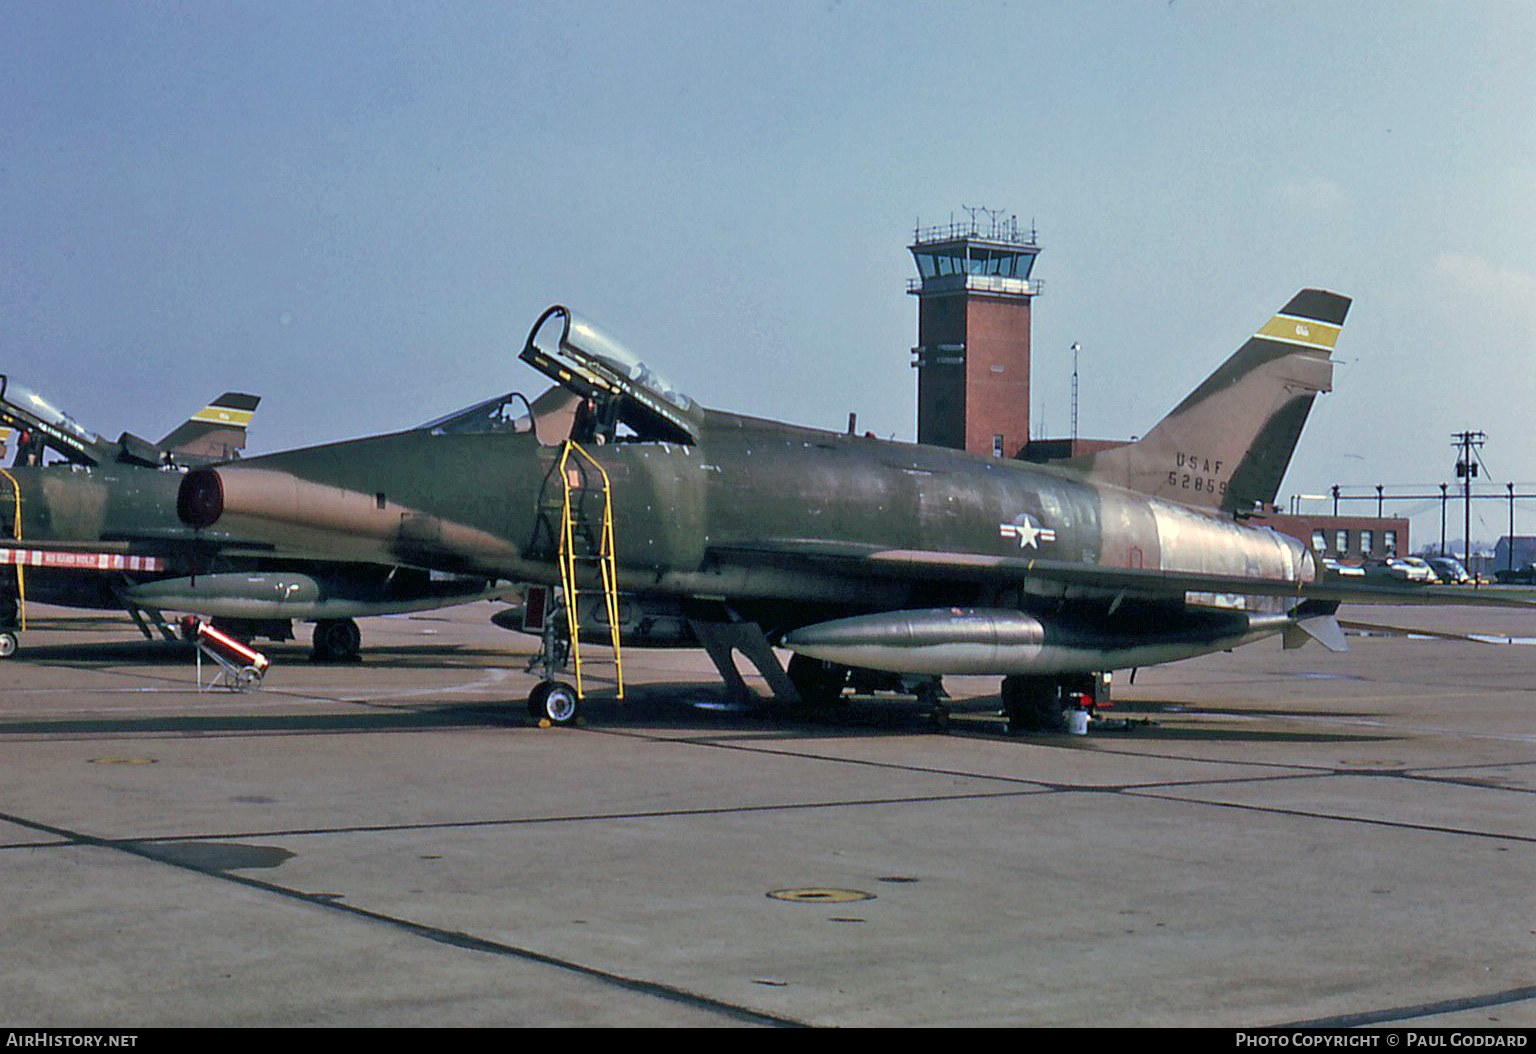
(1274,838)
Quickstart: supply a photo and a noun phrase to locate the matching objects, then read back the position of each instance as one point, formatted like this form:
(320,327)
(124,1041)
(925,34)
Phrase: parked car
(1418,568)
(1524,576)
(1402,568)
(1333,567)
(1449,570)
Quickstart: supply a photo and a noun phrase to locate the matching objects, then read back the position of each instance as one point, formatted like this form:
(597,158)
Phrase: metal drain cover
(821,896)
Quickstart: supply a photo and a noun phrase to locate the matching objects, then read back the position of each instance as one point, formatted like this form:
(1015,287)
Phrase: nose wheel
(555,702)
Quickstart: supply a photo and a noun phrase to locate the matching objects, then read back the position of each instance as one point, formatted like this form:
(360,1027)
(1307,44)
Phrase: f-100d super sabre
(86,522)
(657,520)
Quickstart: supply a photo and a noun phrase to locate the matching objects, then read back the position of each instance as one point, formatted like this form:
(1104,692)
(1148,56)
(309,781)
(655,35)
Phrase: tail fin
(1227,445)
(214,433)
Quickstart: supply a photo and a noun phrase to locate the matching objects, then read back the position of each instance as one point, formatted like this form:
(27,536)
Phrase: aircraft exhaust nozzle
(209,495)
(200,499)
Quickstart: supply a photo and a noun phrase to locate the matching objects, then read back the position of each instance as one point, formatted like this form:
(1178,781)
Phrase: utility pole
(1468,443)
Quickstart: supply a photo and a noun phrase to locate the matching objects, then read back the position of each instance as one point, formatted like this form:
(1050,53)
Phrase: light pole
(1442,518)
(1076,347)
(1511,487)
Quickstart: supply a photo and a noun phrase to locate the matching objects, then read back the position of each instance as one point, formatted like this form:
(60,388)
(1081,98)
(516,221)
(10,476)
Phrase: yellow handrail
(606,565)
(21,576)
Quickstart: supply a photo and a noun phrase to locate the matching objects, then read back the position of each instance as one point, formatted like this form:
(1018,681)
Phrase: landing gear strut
(10,607)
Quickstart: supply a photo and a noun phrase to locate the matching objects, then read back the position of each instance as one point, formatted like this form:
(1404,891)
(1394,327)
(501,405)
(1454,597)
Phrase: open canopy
(28,412)
(622,389)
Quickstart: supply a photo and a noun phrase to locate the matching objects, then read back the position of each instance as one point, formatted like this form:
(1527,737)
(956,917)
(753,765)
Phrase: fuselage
(74,506)
(754,512)
(105,535)
(82,504)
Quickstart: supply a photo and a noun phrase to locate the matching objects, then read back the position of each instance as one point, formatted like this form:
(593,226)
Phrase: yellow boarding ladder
(572,477)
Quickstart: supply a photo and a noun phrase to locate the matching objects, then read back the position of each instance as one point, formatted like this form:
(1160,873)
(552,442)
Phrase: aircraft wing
(79,557)
(1377,629)
(1347,592)
(148,549)
(1022,571)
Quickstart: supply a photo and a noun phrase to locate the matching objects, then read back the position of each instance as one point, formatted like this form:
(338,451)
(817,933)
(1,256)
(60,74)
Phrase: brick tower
(973,325)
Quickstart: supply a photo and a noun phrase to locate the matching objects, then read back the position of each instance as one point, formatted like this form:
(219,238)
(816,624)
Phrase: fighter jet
(85,522)
(657,520)
(46,433)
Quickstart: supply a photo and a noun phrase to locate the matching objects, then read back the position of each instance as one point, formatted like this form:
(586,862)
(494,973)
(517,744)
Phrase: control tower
(973,323)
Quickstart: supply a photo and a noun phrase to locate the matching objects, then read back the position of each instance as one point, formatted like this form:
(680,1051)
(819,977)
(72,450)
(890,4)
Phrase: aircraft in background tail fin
(214,433)
(1228,444)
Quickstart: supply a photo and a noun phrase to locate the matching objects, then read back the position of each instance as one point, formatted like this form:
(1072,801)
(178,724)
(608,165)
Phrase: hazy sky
(358,209)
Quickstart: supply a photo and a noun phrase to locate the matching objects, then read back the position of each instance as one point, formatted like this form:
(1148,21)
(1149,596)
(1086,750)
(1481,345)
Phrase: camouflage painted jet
(661,521)
(89,523)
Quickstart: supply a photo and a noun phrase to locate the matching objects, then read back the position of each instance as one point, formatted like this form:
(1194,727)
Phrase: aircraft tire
(555,702)
(337,640)
(1014,708)
(938,713)
(1034,704)
(1051,710)
(7,644)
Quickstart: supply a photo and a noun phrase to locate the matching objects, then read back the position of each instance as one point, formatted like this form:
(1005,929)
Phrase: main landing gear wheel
(337,640)
(1034,704)
(555,702)
(7,644)
(937,713)
(819,683)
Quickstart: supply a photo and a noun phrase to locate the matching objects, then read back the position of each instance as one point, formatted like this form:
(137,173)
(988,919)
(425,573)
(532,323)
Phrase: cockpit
(503,413)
